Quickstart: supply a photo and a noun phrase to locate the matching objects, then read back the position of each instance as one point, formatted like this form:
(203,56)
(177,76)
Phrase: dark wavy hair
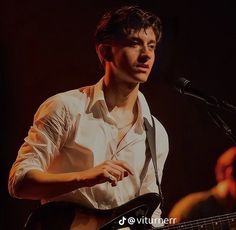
(118,24)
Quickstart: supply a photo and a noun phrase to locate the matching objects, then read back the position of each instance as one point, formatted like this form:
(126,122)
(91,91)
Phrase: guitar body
(68,216)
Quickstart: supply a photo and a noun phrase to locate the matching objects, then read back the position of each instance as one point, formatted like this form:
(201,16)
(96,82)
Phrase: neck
(119,94)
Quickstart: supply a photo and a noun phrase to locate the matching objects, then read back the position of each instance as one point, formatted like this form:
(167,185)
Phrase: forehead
(143,33)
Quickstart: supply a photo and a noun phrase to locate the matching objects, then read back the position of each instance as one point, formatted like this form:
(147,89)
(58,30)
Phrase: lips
(145,66)
(142,68)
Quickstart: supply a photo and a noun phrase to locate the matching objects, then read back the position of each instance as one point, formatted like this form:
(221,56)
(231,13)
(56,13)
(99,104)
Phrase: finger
(116,170)
(110,178)
(124,165)
(118,173)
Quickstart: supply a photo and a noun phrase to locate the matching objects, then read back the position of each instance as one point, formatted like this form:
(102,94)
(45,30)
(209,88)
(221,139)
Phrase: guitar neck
(222,222)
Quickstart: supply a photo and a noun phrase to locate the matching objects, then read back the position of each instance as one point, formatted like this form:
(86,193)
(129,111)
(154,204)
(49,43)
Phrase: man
(218,200)
(88,146)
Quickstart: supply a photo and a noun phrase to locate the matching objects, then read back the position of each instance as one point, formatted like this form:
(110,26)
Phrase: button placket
(113,143)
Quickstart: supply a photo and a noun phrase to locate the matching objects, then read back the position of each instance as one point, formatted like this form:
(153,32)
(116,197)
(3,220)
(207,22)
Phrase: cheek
(127,59)
(121,57)
(152,60)
(153,57)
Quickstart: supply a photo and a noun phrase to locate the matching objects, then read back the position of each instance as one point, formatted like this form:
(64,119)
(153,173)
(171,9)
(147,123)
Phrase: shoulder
(184,206)
(160,129)
(68,103)
(146,111)
(193,198)
(161,137)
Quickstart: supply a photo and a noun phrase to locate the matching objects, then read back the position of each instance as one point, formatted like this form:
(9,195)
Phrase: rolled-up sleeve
(45,138)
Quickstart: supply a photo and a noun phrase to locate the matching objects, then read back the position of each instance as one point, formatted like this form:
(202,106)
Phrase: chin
(135,78)
(141,78)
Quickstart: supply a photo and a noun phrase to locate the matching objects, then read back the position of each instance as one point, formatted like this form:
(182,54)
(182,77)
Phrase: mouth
(142,67)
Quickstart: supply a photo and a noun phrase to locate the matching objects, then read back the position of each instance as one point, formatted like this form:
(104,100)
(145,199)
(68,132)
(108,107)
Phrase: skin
(131,63)
(127,64)
(224,191)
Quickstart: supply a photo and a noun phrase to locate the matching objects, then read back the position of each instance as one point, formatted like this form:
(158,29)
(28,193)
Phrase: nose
(145,54)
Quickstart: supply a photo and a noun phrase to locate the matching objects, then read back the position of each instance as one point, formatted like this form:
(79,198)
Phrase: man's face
(133,58)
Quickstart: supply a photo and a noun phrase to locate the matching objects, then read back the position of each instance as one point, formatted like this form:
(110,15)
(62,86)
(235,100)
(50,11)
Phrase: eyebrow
(140,40)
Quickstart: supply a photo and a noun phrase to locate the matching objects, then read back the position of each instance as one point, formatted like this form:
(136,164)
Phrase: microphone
(185,87)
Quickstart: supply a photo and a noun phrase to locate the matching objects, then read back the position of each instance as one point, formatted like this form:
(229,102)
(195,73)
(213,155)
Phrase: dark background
(47,47)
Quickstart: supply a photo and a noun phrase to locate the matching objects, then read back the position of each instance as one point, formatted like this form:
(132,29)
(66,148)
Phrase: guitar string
(197,223)
(210,220)
(202,225)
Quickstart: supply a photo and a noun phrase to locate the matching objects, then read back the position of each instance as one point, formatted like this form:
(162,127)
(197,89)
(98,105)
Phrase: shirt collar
(144,108)
(98,95)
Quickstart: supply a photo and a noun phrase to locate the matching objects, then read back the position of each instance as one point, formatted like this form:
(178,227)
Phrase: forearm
(42,185)
(38,185)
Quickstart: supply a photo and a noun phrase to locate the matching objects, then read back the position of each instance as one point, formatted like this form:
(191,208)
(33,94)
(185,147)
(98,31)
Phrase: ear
(104,52)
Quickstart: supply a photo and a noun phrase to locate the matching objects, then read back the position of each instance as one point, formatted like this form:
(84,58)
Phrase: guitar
(134,215)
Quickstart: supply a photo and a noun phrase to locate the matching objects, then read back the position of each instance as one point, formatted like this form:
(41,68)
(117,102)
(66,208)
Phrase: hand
(110,170)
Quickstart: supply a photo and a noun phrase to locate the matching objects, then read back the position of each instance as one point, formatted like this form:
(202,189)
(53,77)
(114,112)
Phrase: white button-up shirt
(74,131)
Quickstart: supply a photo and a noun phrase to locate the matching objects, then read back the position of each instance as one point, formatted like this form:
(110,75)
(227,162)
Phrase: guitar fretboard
(222,222)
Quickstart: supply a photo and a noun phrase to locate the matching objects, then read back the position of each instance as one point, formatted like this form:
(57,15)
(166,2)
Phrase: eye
(133,42)
(152,46)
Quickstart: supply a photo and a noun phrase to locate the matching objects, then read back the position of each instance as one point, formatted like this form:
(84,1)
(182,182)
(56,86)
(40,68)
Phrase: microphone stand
(221,105)
(219,121)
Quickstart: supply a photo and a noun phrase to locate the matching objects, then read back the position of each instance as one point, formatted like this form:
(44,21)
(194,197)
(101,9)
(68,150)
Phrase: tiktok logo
(122,221)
